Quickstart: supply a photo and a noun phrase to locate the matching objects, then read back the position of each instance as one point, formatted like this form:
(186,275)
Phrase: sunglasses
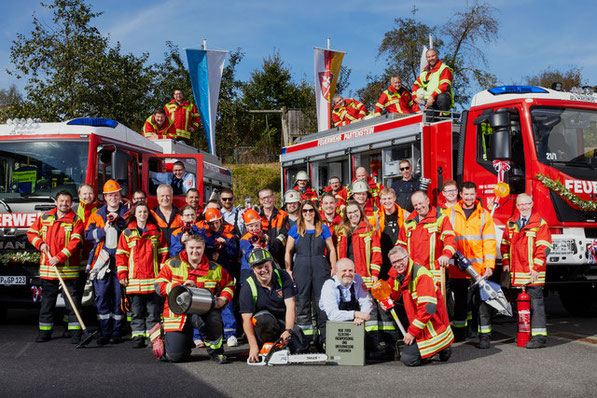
(308,210)
(226,199)
(404,168)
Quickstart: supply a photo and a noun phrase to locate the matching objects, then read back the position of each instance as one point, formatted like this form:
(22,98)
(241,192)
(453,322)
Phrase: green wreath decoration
(20,257)
(560,189)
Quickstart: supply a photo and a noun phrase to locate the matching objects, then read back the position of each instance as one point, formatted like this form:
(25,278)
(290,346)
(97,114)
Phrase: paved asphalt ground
(567,368)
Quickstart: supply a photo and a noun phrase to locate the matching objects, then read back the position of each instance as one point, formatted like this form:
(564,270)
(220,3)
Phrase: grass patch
(248,179)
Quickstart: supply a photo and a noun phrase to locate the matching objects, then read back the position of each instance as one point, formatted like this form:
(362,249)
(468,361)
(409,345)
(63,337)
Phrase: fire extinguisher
(523,306)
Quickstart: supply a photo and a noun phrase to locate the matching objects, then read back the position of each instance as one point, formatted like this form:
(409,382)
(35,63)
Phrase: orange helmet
(212,214)
(250,216)
(111,186)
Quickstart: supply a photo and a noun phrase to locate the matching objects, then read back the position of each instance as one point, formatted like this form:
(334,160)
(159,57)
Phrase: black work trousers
(49,293)
(179,344)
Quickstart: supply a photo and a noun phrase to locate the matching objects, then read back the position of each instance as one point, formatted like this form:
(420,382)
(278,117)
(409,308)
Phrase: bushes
(248,179)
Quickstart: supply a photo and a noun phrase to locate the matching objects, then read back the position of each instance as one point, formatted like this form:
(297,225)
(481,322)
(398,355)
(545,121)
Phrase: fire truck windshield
(41,168)
(565,137)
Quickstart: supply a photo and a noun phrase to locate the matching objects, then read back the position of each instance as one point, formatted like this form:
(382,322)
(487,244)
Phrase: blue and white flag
(205,69)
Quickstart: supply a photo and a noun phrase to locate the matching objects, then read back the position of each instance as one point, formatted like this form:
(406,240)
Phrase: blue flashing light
(93,122)
(517,90)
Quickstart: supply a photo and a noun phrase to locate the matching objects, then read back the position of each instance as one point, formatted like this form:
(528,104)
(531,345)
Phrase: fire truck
(547,138)
(37,160)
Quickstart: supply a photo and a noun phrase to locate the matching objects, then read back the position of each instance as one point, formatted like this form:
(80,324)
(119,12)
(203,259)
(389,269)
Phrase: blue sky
(533,34)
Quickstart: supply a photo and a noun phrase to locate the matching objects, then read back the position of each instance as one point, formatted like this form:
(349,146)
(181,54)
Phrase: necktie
(523,222)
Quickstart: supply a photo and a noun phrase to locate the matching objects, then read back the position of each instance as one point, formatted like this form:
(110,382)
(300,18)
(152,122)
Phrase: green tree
(569,78)
(10,101)
(71,70)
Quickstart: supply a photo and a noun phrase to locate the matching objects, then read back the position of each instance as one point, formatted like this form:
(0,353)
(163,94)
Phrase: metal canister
(190,300)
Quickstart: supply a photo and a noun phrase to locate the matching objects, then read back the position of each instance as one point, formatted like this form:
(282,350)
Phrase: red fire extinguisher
(523,306)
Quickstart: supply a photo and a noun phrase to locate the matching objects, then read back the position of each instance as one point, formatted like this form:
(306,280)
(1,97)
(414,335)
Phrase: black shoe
(445,354)
(103,340)
(75,336)
(459,334)
(535,343)
(67,334)
(220,359)
(138,342)
(484,341)
(115,340)
(397,351)
(43,336)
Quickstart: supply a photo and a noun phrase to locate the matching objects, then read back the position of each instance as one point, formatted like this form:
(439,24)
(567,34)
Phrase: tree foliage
(71,69)
(569,78)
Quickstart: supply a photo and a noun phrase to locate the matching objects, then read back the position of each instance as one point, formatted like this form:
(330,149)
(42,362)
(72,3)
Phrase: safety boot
(459,334)
(43,336)
(138,342)
(535,343)
(75,336)
(484,341)
(445,354)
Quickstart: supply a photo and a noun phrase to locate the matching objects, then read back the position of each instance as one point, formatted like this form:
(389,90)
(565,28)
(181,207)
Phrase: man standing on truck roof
(396,99)
(347,110)
(159,126)
(184,116)
(436,81)
(57,234)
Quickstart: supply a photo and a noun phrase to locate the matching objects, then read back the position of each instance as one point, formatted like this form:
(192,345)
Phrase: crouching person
(429,331)
(267,306)
(191,268)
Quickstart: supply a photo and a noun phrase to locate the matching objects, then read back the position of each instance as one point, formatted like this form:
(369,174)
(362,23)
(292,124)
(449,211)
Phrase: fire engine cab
(37,160)
(547,139)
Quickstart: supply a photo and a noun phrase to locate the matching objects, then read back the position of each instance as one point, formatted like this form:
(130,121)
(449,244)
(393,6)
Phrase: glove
(158,348)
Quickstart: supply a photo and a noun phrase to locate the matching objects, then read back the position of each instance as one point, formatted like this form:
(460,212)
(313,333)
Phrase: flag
(327,68)
(205,69)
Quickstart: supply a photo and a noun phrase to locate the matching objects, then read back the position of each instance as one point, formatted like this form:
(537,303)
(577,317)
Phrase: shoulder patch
(127,232)
(175,262)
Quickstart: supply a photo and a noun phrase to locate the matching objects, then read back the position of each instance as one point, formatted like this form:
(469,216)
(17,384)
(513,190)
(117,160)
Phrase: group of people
(317,259)
(431,90)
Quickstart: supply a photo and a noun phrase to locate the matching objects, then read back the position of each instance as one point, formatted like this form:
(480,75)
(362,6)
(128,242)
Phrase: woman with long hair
(309,268)
(142,249)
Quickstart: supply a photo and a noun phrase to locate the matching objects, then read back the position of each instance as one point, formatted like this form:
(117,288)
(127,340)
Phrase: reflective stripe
(104,316)
(538,332)
(484,329)
(45,326)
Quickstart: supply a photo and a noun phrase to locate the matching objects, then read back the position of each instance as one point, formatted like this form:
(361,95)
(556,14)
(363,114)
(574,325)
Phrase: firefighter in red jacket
(57,235)
(303,186)
(428,236)
(191,268)
(435,83)
(525,245)
(141,250)
(396,99)
(184,116)
(429,331)
(339,192)
(347,110)
(159,126)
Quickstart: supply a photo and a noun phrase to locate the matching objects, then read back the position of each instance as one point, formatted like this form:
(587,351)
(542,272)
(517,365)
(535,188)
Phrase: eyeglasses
(400,259)
(266,197)
(308,210)
(226,199)
(404,168)
(450,190)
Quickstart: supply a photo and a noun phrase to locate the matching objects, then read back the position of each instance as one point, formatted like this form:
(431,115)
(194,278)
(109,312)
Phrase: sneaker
(75,336)
(138,342)
(199,343)
(484,341)
(220,359)
(232,341)
(535,343)
(103,340)
(43,336)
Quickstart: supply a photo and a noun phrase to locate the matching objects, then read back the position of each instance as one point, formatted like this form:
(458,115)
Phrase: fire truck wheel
(578,300)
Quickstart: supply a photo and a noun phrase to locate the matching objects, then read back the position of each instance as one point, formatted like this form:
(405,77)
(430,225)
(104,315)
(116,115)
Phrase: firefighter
(374,188)
(273,221)
(222,247)
(390,218)
(362,196)
(191,268)
(159,126)
(184,116)
(475,239)
(347,110)
(396,99)
(338,191)
(309,240)
(86,207)
(450,196)
(429,331)
(405,187)
(359,242)
(142,248)
(303,186)
(292,203)
(193,199)
(231,214)
(329,213)
(57,234)
(181,234)
(165,213)
(180,180)
(253,223)
(103,229)
(525,246)
(428,236)
(436,81)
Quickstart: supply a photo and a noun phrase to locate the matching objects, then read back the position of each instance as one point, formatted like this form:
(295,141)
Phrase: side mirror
(120,168)
(500,147)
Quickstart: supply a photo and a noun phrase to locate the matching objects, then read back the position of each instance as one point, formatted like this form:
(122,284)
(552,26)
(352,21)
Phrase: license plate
(13,280)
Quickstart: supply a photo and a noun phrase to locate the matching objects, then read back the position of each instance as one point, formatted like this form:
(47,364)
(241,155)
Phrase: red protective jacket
(526,248)
(445,80)
(394,101)
(177,270)
(139,257)
(340,196)
(374,190)
(425,309)
(428,240)
(151,129)
(309,194)
(84,212)
(351,111)
(184,116)
(63,236)
(366,250)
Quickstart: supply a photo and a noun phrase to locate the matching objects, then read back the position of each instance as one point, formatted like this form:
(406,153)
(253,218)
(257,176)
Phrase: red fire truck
(548,138)
(37,160)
